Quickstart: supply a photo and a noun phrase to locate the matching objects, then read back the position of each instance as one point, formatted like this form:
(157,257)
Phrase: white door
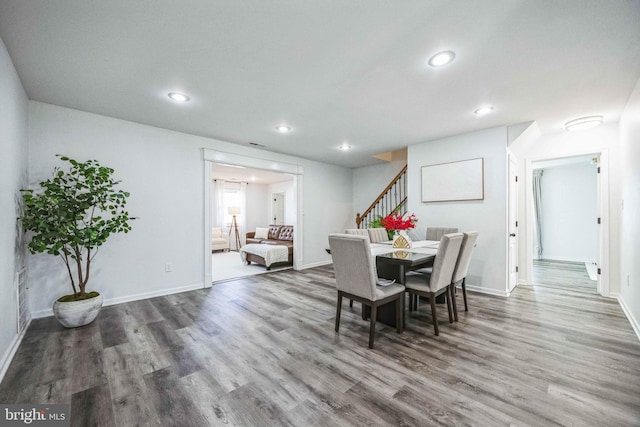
(512,227)
(278,208)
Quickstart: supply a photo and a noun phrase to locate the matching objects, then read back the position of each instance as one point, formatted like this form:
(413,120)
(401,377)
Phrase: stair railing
(392,199)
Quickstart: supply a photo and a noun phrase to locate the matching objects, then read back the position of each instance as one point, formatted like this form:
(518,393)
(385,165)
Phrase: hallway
(563,275)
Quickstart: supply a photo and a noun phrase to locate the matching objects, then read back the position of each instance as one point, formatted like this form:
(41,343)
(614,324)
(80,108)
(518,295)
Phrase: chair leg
(452,290)
(338,309)
(364,315)
(464,293)
(432,300)
(350,303)
(372,325)
(447,297)
(399,315)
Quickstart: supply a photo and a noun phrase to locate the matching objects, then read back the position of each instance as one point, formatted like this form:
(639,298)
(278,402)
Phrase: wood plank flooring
(261,351)
(569,276)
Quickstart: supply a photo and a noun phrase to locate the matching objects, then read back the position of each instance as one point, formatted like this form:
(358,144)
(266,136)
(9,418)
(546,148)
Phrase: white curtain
(217,201)
(243,212)
(537,208)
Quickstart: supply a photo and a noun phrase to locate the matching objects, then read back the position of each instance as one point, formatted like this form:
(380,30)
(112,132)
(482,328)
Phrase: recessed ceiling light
(283,128)
(178,97)
(442,58)
(583,123)
(345,147)
(482,111)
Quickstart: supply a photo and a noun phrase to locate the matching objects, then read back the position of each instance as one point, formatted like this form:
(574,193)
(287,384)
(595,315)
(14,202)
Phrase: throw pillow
(261,233)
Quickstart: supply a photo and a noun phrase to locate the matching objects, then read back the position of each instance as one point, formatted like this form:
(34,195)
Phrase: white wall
(257,206)
(13,176)
(170,205)
(488,268)
(569,212)
(630,214)
(369,181)
(289,201)
(565,144)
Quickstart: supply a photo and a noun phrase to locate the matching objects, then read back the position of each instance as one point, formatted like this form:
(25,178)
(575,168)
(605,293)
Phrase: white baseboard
(489,291)
(7,357)
(128,298)
(316,264)
(634,322)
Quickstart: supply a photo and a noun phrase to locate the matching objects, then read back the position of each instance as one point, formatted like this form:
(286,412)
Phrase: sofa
(277,235)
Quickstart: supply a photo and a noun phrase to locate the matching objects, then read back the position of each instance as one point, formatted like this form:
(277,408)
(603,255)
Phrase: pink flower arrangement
(395,221)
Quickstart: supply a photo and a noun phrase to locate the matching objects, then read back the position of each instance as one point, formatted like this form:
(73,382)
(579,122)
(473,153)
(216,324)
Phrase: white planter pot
(73,314)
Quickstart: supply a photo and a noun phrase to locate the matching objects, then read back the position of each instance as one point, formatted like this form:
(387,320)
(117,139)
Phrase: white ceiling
(335,70)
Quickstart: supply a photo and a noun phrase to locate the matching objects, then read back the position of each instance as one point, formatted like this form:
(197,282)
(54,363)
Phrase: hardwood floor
(569,276)
(261,351)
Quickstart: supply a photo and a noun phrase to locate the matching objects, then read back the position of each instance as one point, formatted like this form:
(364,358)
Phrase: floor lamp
(234,210)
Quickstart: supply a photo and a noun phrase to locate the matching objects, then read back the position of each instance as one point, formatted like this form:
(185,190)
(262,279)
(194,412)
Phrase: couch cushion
(261,233)
(274,231)
(286,233)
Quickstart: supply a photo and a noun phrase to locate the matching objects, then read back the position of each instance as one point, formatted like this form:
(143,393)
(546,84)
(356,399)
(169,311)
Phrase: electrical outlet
(168,267)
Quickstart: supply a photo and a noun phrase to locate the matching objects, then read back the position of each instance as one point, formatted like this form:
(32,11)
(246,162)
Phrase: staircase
(392,199)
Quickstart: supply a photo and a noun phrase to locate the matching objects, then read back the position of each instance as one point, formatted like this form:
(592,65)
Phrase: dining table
(394,264)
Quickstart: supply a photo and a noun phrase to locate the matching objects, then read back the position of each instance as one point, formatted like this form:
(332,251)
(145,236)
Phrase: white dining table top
(418,246)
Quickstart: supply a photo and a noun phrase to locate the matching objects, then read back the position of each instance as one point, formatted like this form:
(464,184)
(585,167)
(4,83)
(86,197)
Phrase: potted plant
(71,215)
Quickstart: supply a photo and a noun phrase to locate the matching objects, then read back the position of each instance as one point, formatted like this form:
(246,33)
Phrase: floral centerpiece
(396,223)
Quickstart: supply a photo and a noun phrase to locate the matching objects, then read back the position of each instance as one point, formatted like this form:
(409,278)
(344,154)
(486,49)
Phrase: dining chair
(438,281)
(462,267)
(357,278)
(377,235)
(436,233)
(357,231)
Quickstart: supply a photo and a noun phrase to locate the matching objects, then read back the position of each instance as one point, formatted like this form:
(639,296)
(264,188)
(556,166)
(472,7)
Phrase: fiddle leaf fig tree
(72,214)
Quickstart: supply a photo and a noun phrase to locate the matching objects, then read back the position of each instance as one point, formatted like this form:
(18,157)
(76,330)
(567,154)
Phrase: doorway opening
(253,181)
(566,223)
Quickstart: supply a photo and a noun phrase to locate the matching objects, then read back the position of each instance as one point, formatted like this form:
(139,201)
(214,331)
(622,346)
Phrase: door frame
(214,156)
(512,200)
(603,285)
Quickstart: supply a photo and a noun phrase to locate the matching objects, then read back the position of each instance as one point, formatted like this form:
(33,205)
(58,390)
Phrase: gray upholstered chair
(462,267)
(377,235)
(357,231)
(438,281)
(356,278)
(436,233)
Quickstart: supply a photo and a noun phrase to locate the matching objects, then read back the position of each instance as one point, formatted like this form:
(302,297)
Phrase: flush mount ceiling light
(583,123)
(344,147)
(482,111)
(178,97)
(442,58)
(283,128)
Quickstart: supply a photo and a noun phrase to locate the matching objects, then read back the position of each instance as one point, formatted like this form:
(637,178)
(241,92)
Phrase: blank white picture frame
(453,181)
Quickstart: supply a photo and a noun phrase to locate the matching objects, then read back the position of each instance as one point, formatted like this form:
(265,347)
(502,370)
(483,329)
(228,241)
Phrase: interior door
(278,208)
(512,227)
